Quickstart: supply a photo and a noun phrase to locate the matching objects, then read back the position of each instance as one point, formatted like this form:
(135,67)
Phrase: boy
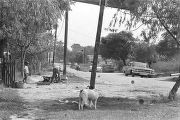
(26,71)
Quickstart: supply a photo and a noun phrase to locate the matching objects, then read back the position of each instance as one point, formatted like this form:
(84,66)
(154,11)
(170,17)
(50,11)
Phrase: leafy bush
(169,66)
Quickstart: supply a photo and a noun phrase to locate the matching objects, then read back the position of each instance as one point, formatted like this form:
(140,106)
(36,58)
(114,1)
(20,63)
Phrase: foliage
(78,52)
(24,21)
(156,15)
(76,47)
(117,46)
(89,50)
(59,51)
(171,66)
(78,58)
(145,53)
(167,47)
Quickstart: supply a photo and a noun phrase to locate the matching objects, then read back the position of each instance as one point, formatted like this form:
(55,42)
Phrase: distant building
(90,59)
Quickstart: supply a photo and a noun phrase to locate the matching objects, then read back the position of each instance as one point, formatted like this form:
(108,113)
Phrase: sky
(83,20)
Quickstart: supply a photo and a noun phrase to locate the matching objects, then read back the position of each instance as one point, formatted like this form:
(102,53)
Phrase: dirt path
(59,101)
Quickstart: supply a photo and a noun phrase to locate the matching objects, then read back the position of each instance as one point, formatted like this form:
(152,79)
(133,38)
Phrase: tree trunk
(172,93)
(22,65)
(23,56)
(124,61)
(39,70)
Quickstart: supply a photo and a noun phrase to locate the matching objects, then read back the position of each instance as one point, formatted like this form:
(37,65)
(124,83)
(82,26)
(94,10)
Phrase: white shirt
(26,69)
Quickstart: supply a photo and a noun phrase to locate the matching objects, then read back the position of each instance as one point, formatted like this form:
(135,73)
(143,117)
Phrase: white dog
(87,97)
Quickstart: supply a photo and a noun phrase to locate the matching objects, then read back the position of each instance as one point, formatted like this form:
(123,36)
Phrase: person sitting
(56,75)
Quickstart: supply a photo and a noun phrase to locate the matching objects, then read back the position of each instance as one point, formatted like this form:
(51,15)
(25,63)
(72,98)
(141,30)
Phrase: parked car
(108,68)
(138,68)
(99,69)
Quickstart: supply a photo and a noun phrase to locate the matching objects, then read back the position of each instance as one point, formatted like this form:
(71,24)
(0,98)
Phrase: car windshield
(139,64)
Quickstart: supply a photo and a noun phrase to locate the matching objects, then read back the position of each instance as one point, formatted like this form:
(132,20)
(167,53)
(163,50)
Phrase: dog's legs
(95,102)
(90,103)
(80,103)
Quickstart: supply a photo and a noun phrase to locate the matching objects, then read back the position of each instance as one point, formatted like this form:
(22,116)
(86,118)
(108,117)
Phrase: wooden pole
(84,55)
(97,43)
(65,41)
(54,51)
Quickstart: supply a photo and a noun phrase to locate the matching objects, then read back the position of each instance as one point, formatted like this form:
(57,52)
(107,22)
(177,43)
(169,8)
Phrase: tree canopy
(117,46)
(157,15)
(24,23)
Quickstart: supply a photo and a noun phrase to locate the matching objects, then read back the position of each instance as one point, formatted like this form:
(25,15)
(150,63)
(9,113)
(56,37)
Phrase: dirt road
(119,85)
(119,99)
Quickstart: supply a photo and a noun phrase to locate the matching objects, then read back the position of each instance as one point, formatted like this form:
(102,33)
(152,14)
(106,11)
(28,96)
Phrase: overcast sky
(83,19)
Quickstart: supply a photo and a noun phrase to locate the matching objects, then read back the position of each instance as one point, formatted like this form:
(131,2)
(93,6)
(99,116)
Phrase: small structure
(7,65)
(90,58)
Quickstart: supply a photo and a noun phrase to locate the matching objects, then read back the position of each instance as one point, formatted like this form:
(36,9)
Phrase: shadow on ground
(104,103)
(173,79)
(10,102)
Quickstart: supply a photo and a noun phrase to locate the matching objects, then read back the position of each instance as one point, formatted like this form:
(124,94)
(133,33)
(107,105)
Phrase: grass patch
(10,103)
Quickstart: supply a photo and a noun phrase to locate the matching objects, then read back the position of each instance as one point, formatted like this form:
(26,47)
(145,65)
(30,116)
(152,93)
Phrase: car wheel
(133,75)
(130,72)
(149,76)
(126,74)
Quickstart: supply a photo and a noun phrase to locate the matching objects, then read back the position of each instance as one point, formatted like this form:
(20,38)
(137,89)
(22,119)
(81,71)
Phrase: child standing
(26,71)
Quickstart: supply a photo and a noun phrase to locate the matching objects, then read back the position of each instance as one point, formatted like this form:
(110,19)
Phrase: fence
(8,72)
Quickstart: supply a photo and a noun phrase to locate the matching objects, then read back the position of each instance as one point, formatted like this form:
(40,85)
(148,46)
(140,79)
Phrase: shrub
(169,66)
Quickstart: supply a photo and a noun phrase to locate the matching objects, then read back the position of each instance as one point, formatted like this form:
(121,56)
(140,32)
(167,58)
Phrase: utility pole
(97,43)
(83,57)
(54,51)
(65,42)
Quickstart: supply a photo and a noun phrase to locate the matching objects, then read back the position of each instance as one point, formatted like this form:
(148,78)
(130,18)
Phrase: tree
(89,50)
(145,53)
(23,20)
(117,46)
(78,58)
(167,48)
(76,47)
(59,51)
(37,54)
(156,15)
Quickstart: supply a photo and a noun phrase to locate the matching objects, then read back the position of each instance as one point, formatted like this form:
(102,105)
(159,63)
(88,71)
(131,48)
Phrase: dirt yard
(60,101)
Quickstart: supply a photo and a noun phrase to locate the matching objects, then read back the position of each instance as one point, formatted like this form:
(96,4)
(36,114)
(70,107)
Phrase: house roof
(121,4)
